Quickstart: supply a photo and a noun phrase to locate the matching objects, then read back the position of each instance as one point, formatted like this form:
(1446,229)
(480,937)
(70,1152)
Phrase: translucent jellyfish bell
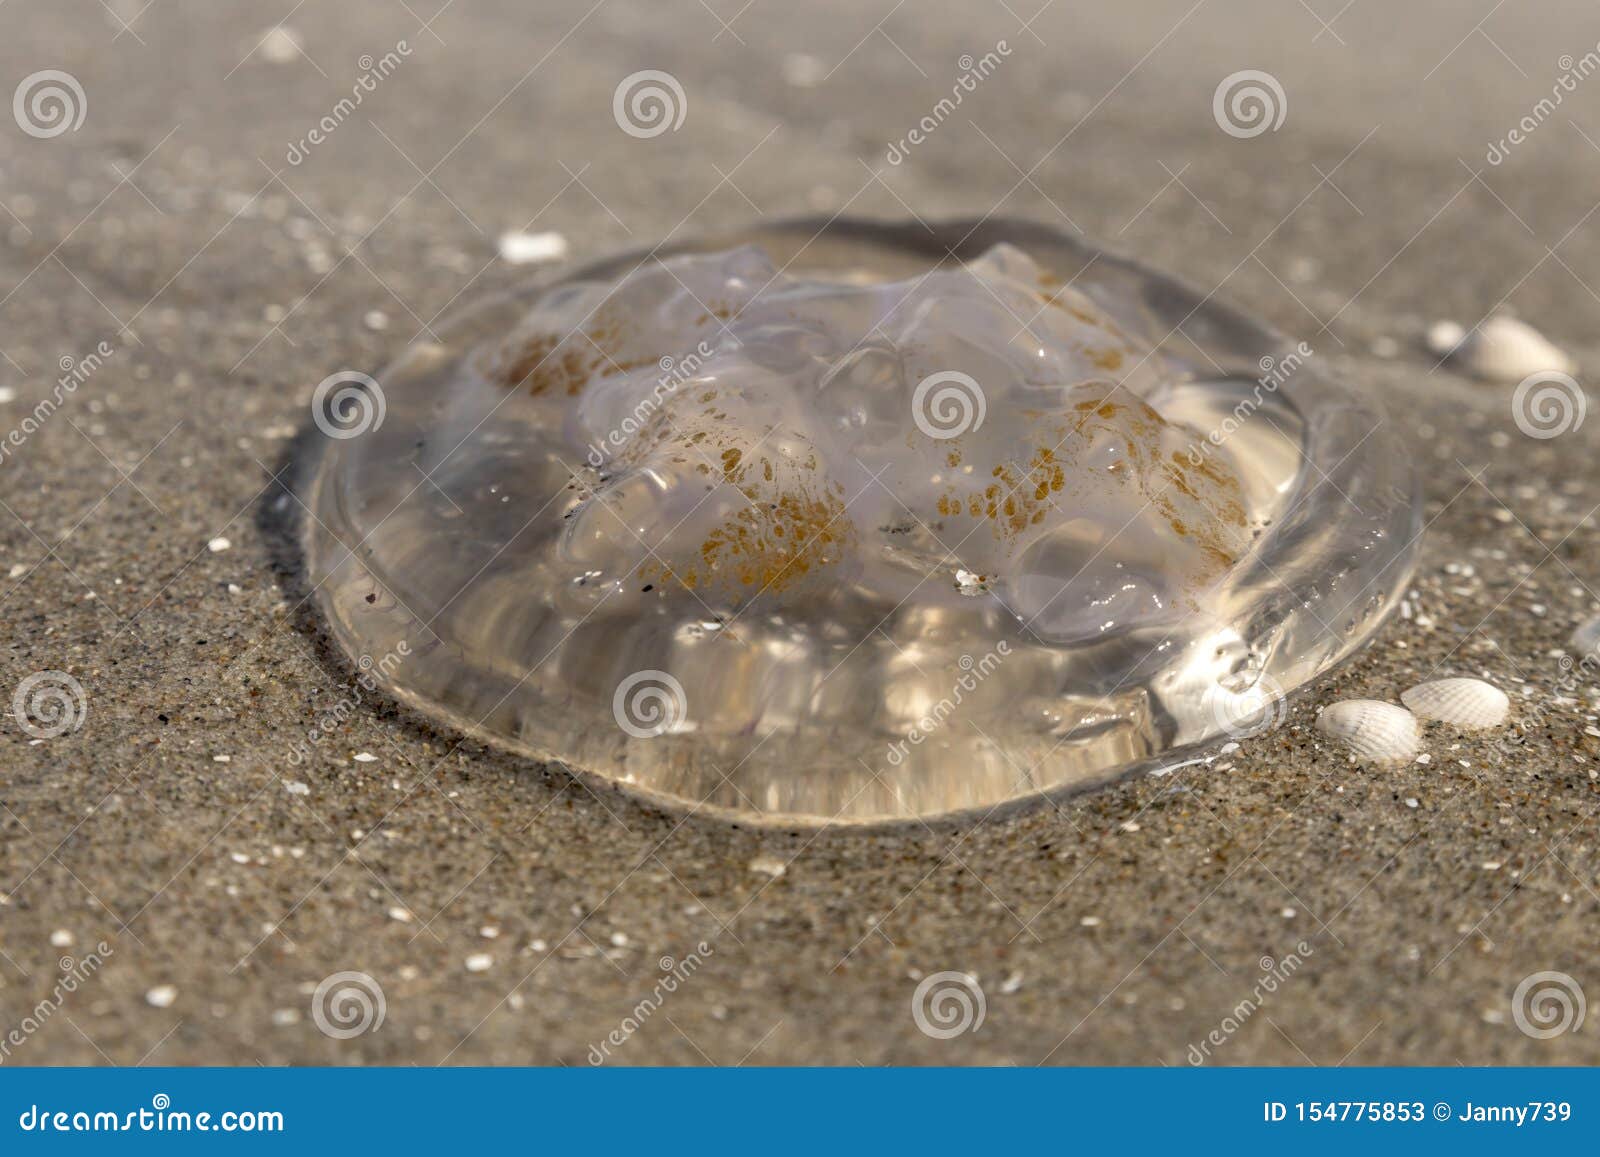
(851,522)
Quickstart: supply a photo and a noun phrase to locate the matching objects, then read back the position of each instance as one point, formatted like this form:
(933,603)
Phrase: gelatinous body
(854,522)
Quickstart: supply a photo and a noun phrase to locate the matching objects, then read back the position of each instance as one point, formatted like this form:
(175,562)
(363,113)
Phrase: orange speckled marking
(546,365)
(1213,517)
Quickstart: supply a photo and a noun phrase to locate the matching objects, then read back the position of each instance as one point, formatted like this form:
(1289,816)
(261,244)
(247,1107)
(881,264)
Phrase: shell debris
(1371,730)
(1467,703)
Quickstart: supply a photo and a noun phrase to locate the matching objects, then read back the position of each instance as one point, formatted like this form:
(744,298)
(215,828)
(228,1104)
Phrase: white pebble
(479,962)
(773,866)
(802,70)
(295,787)
(1444,336)
(218,545)
(161,996)
(281,45)
(60,938)
(365,757)
(532,248)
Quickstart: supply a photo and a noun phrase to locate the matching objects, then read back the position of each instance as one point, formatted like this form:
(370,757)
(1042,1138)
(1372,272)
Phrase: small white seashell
(1380,732)
(1500,349)
(1468,703)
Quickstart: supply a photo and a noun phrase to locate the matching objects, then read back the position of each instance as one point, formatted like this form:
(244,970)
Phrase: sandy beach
(194,261)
